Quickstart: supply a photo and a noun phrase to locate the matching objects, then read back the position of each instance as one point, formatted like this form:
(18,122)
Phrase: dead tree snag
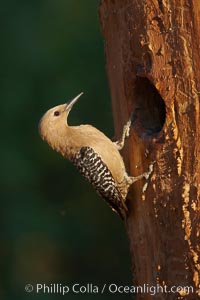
(153,66)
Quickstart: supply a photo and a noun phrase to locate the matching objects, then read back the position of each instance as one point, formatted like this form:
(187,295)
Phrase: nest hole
(149,109)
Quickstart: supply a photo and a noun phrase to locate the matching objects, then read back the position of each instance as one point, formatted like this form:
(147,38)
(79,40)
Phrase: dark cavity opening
(149,109)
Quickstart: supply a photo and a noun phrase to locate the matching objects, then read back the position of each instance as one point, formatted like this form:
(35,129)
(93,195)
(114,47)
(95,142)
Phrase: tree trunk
(152,52)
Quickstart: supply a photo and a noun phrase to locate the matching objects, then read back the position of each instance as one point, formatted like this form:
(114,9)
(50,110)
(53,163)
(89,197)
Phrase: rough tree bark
(153,66)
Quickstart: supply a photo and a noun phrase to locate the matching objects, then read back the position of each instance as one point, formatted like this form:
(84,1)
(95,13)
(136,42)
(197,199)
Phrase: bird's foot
(125,134)
(145,175)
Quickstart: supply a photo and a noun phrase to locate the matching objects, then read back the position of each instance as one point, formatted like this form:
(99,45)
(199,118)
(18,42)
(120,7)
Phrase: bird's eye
(56,113)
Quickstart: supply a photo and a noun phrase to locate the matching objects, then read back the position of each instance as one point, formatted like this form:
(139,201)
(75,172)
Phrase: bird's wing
(92,167)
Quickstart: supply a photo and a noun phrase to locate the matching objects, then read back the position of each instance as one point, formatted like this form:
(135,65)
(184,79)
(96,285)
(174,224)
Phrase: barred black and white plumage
(97,173)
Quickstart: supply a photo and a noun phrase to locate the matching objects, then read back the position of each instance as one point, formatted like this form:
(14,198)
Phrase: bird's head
(55,119)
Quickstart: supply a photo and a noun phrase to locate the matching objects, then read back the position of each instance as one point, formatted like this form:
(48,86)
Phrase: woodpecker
(97,158)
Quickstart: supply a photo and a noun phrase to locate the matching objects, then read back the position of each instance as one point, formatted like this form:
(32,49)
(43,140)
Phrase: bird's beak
(72,102)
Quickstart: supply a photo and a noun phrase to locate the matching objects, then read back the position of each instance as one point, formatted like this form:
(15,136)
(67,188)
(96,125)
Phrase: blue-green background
(54,227)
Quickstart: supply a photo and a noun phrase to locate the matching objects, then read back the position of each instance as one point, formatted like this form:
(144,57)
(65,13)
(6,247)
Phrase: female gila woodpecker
(94,154)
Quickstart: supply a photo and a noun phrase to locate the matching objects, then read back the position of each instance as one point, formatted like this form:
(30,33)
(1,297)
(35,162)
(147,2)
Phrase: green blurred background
(54,227)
